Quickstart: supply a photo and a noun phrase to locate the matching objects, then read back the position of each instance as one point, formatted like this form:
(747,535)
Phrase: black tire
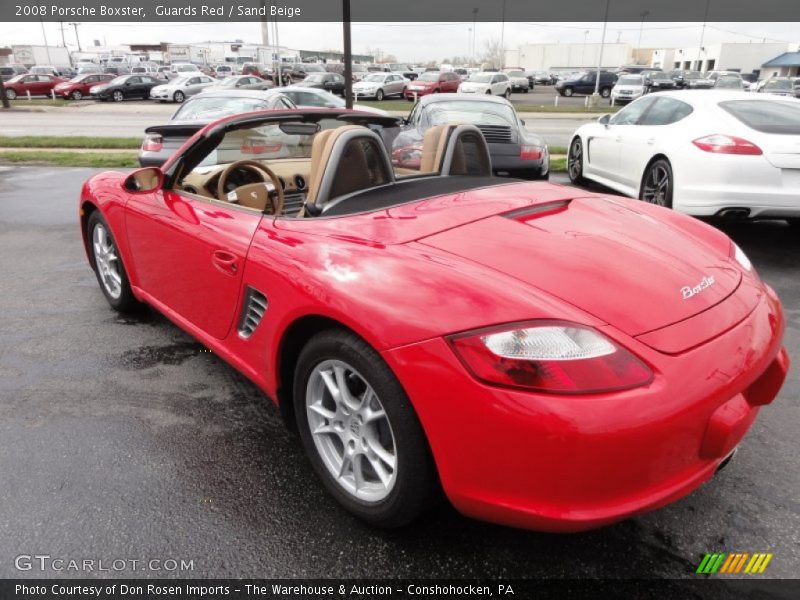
(575,161)
(76,95)
(118,96)
(416,480)
(179,97)
(489,91)
(507,93)
(11,94)
(126,302)
(436,91)
(657,184)
(525,90)
(379,95)
(568,92)
(605,92)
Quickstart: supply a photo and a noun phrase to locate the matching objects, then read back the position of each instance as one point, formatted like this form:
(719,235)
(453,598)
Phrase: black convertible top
(408,190)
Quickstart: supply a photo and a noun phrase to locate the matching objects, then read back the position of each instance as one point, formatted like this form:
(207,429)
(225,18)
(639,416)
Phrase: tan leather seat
(433,147)
(345,160)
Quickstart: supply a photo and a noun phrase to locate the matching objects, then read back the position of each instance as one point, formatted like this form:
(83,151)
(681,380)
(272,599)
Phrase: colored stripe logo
(734,562)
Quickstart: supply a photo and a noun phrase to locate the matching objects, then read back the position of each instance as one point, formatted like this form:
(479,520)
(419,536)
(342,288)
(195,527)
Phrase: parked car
(240,82)
(514,150)
(126,86)
(117,70)
(180,69)
(584,83)
(693,80)
(10,71)
(712,153)
(779,86)
(657,81)
(223,71)
(161,141)
(463,74)
(402,69)
(308,97)
(36,85)
(79,87)
(299,71)
(358,71)
(518,80)
(150,71)
(180,88)
(486,82)
(730,82)
(45,70)
(628,88)
(499,344)
(380,86)
(330,82)
(433,83)
(259,70)
(636,69)
(540,78)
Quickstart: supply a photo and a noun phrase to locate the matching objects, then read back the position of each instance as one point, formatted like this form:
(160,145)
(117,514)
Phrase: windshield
(313,69)
(766,116)
(316,77)
(481,77)
(179,81)
(374,77)
(429,77)
(778,84)
(475,113)
(630,80)
(515,73)
(209,109)
(229,81)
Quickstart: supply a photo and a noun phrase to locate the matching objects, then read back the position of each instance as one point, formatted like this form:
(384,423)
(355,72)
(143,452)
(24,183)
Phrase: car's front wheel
(605,92)
(76,95)
(118,96)
(11,94)
(507,93)
(179,97)
(657,184)
(575,161)
(360,430)
(568,92)
(107,265)
(379,95)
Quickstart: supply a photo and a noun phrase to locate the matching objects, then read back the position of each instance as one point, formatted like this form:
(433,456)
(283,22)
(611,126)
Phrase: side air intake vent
(255,305)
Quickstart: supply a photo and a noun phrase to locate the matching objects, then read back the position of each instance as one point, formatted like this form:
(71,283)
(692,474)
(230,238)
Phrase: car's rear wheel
(605,92)
(360,430)
(507,93)
(11,94)
(76,95)
(107,265)
(118,96)
(575,161)
(179,97)
(568,92)
(379,95)
(657,184)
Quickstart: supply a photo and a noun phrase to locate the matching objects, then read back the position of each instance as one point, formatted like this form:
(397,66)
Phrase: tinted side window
(630,114)
(665,111)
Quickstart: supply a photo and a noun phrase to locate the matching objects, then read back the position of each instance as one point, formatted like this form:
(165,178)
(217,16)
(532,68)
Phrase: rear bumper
(561,463)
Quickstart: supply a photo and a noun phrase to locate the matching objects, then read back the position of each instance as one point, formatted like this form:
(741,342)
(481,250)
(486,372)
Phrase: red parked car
(551,358)
(78,87)
(37,85)
(433,83)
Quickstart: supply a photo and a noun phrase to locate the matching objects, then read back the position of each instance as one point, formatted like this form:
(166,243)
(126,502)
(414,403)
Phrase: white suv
(486,82)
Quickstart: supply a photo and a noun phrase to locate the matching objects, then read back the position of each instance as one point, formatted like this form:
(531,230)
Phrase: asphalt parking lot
(123,439)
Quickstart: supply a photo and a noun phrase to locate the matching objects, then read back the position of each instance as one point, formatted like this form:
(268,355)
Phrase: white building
(745,58)
(562,57)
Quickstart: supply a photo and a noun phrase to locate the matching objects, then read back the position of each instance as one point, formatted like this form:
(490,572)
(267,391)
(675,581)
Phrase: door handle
(651,141)
(225,262)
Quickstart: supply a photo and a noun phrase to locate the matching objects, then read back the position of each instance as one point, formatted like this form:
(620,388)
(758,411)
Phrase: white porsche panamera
(699,152)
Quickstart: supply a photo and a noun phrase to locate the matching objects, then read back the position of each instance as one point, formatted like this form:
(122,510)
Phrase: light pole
(474,32)
(502,37)
(77,37)
(702,35)
(595,96)
(583,51)
(641,28)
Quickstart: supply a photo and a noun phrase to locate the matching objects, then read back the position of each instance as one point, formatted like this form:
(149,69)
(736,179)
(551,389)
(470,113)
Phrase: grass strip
(71,159)
(52,141)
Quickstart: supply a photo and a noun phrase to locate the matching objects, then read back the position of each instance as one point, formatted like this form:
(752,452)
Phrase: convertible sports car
(550,358)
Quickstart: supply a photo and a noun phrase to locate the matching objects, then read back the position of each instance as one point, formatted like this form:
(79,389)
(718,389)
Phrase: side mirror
(522,121)
(604,120)
(143,181)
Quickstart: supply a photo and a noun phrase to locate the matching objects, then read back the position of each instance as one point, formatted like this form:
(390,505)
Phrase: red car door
(189,254)
(43,85)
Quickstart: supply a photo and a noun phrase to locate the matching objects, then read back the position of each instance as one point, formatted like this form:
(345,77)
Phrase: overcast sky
(411,42)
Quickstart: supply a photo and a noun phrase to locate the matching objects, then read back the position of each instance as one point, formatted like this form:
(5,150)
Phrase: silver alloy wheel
(575,160)
(11,94)
(118,96)
(179,97)
(656,185)
(107,261)
(76,95)
(351,431)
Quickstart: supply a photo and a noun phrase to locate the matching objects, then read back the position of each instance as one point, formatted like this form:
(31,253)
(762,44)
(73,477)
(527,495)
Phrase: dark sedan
(657,81)
(515,151)
(330,82)
(161,141)
(125,86)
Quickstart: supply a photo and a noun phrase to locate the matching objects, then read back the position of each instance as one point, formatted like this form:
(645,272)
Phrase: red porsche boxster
(551,358)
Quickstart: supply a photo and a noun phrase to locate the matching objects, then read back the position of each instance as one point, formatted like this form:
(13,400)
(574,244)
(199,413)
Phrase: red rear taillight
(153,142)
(529,152)
(727,144)
(550,356)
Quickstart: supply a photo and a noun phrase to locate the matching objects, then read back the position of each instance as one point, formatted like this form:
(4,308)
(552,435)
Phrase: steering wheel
(254,195)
